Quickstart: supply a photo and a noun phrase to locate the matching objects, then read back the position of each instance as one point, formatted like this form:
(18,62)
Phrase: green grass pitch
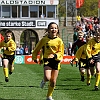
(24,84)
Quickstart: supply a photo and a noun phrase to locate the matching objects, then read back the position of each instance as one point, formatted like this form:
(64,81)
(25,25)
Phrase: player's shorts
(96,58)
(51,62)
(89,64)
(10,58)
(82,63)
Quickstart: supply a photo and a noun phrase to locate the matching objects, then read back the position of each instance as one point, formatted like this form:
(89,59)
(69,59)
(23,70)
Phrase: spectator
(69,49)
(26,50)
(21,50)
(17,50)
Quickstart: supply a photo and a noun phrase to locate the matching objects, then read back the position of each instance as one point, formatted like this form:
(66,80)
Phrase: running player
(93,54)
(53,54)
(9,47)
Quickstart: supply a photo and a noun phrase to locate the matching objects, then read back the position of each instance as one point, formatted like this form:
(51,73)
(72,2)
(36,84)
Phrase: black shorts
(82,63)
(51,63)
(89,64)
(9,57)
(96,58)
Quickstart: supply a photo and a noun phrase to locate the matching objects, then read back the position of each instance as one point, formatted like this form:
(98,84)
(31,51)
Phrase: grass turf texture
(24,84)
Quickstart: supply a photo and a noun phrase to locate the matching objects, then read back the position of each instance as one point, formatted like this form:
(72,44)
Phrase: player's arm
(89,50)
(78,54)
(37,49)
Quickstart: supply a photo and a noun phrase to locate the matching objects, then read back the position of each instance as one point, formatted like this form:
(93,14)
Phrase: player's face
(80,36)
(98,37)
(8,36)
(53,30)
(88,38)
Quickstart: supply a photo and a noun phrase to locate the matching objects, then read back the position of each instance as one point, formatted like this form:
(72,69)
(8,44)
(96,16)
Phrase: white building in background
(28,17)
(27,13)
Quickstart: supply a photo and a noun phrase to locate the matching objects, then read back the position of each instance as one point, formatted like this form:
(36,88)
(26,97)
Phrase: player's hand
(51,56)
(71,63)
(91,61)
(35,61)
(41,62)
(4,48)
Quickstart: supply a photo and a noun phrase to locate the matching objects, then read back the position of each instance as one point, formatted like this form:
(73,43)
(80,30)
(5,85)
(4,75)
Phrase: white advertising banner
(29,2)
(26,23)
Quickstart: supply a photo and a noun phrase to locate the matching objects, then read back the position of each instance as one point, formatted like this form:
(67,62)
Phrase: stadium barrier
(27,59)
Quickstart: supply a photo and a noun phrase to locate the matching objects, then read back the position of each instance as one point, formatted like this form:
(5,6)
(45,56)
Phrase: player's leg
(5,69)
(11,64)
(97,75)
(47,76)
(88,76)
(54,75)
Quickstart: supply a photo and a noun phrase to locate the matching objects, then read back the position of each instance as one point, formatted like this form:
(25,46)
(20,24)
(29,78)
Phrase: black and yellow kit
(9,53)
(81,57)
(93,49)
(51,46)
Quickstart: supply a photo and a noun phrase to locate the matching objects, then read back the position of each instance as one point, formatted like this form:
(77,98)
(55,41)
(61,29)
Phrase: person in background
(1,55)
(81,57)
(26,50)
(52,56)
(9,47)
(79,42)
(1,49)
(21,50)
(17,50)
(69,49)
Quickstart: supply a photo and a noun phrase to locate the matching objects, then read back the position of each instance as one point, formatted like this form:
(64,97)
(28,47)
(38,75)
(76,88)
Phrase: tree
(62,8)
(89,8)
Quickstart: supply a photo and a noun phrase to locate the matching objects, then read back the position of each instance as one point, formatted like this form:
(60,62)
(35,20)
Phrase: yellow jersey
(81,53)
(93,48)
(10,47)
(51,46)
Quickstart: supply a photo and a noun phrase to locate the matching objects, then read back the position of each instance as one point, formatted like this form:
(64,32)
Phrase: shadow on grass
(70,85)
(1,83)
(71,79)
(68,89)
(23,86)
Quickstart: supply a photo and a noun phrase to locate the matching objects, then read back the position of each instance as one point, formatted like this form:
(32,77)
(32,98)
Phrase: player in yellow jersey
(53,54)
(93,54)
(81,57)
(9,47)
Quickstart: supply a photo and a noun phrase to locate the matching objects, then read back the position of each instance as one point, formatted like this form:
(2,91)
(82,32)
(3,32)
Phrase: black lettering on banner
(41,23)
(17,24)
(22,2)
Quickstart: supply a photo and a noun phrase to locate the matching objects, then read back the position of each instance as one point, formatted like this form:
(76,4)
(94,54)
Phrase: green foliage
(90,8)
(24,84)
(62,8)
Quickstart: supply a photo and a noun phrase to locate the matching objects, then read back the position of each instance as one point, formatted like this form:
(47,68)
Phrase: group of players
(88,56)
(52,48)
